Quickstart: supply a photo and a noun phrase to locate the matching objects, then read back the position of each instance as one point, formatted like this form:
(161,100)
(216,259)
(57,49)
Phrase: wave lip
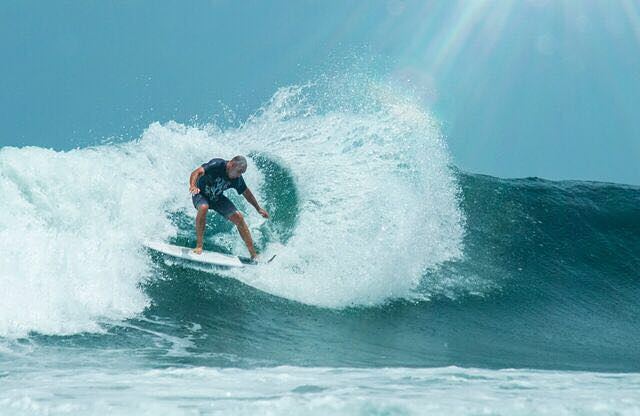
(378,202)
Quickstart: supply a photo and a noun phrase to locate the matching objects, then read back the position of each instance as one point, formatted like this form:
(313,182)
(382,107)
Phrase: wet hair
(241,162)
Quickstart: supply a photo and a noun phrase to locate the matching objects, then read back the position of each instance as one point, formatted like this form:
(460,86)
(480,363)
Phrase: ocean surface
(402,285)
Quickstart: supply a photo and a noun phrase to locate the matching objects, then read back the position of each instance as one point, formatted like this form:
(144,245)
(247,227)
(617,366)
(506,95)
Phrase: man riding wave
(207,184)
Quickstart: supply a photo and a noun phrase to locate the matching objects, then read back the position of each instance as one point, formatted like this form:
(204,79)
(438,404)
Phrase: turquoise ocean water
(402,284)
(405,282)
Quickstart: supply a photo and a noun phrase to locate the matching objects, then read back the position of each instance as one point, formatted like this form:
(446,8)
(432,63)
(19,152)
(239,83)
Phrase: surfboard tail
(248,260)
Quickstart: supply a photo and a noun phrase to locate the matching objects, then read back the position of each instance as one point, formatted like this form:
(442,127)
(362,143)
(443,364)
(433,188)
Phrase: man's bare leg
(201,221)
(243,229)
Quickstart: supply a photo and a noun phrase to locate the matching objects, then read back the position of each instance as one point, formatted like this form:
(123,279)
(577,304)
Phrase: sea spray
(377,205)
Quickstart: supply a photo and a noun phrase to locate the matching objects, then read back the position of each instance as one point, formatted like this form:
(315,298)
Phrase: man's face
(234,171)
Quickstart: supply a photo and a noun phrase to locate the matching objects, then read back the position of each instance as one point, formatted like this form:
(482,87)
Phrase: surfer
(207,184)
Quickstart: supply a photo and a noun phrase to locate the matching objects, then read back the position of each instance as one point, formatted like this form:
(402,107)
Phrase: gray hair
(240,161)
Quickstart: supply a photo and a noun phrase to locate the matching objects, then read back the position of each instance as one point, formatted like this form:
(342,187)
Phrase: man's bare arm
(252,200)
(195,175)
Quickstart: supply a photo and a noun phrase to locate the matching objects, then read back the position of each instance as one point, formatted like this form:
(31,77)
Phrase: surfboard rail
(210,258)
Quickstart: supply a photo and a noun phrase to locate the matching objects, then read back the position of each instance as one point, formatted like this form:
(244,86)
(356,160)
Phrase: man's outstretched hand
(263,213)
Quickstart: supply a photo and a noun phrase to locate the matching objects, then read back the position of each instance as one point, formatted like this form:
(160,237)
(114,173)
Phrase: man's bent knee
(236,218)
(203,208)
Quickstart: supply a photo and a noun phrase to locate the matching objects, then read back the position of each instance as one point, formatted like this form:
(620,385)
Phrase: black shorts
(222,205)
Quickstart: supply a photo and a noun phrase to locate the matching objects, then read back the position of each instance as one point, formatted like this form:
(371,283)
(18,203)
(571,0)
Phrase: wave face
(386,254)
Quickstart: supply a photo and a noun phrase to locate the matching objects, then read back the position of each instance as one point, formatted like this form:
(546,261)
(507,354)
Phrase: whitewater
(360,181)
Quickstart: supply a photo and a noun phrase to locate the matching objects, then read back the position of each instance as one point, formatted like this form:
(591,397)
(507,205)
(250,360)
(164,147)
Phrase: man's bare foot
(197,250)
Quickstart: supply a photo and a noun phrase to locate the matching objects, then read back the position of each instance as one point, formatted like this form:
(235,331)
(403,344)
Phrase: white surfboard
(209,258)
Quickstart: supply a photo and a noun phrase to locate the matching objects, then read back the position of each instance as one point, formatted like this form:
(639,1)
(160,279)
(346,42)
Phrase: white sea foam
(71,224)
(319,391)
(378,205)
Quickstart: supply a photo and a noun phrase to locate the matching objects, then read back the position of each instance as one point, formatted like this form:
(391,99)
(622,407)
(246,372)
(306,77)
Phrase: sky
(547,88)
